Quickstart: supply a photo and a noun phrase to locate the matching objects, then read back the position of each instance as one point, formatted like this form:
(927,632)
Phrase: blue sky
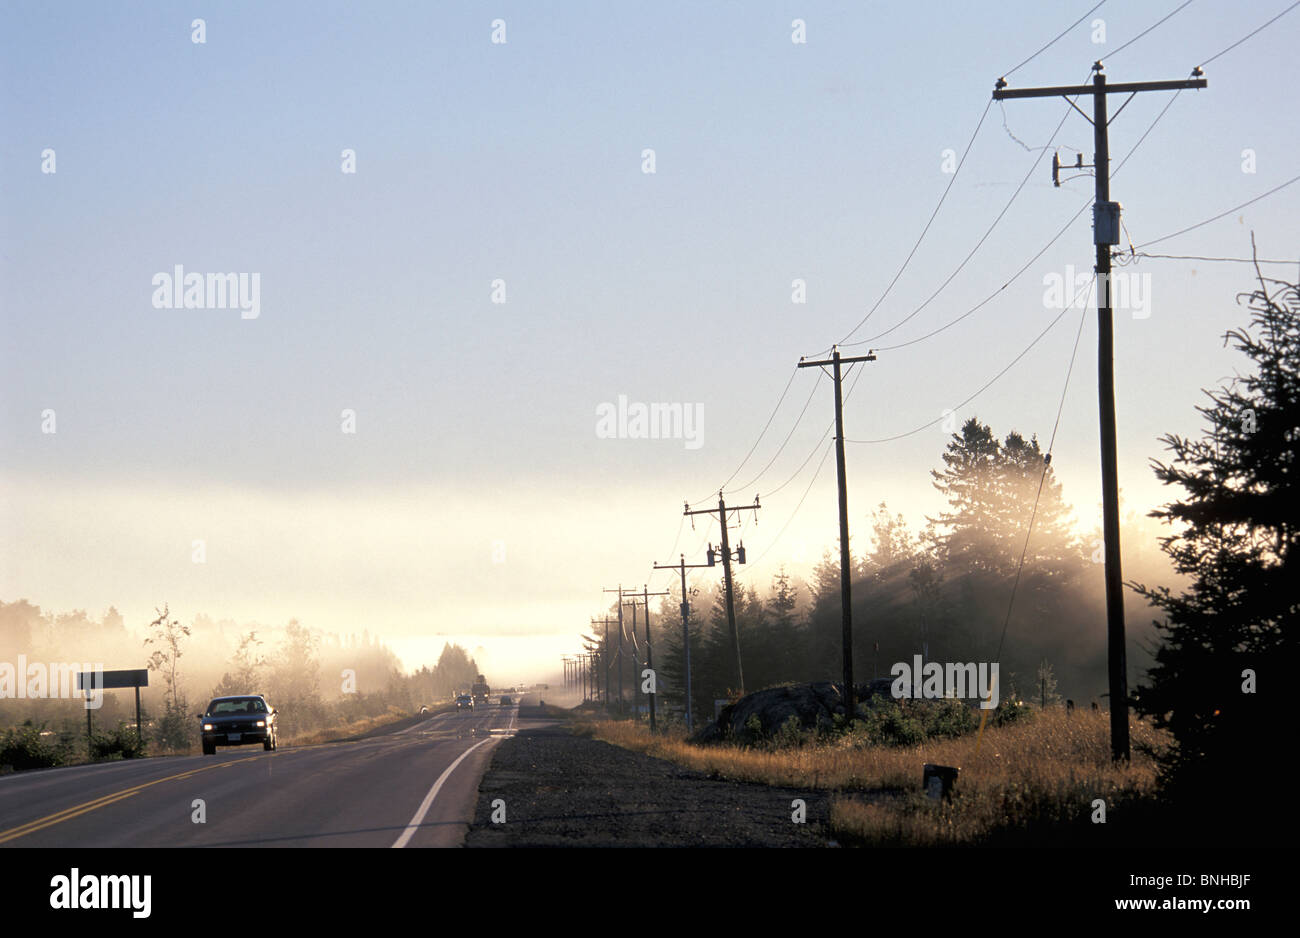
(522,161)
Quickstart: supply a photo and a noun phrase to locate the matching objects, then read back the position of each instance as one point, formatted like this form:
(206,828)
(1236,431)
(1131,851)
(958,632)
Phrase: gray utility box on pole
(1105,222)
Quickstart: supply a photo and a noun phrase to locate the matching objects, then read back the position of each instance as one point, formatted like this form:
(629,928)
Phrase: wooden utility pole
(721,512)
(1106,224)
(621,709)
(605,663)
(649,656)
(682,566)
(846,571)
(604,660)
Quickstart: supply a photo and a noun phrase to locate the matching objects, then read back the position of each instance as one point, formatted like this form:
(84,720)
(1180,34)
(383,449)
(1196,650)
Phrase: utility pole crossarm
(869,357)
(714,511)
(1068,91)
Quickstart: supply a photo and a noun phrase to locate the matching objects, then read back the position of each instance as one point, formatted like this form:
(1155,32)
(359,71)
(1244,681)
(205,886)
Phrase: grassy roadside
(69,752)
(1034,781)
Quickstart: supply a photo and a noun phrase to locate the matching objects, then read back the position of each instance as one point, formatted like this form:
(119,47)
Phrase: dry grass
(1027,779)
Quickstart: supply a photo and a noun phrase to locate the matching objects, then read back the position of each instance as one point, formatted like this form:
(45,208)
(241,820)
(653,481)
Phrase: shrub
(948,719)
(22,747)
(789,734)
(121,743)
(1010,711)
(887,723)
(177,729)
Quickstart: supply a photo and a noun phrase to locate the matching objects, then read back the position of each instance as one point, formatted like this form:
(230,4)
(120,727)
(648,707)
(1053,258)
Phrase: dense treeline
(316,680)
(1213,668)
(943,592)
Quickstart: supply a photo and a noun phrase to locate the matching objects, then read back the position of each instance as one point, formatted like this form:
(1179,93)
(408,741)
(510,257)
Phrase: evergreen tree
(892,543)
(1229,638)
(969,484)
(787,638)
(991,487)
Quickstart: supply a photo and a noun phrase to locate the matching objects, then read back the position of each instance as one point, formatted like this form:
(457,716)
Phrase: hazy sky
(477,497)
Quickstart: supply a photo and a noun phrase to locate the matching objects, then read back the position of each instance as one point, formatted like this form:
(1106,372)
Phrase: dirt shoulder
(566,790)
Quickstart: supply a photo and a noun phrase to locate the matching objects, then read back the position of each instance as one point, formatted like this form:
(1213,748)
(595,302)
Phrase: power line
(805,462)
(813,452)
(1149,28)
(1047,462)
(1056,237)
(761,433)
(797,506)
(1050,446)
(1129,257)
(1018,189)
(930,221)
(1250,34)
(926,229)
(1235,208)
(780,449)
(984,302)
(948,188)
(1073,219)
(980,243)
(1056,40)
(990,382)
(1018,273)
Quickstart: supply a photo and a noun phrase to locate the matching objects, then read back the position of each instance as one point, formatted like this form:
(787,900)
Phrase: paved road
(411,788)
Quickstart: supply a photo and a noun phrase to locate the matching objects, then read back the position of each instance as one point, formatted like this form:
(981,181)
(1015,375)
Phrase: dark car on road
(464,702)
(506,701)
(238,721)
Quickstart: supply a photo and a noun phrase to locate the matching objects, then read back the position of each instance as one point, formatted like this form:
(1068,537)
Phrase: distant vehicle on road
(507,702)
(464,702)
(238,721)
(480,690)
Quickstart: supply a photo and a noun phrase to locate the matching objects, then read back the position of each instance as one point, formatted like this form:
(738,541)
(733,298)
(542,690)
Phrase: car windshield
(236,705)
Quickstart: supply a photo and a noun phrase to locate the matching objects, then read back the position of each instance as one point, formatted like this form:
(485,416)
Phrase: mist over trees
(942,591)
(315,680)
(1211,670)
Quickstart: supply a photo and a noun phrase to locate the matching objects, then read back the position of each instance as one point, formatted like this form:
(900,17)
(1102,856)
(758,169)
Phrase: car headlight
(208,726)
(261,723)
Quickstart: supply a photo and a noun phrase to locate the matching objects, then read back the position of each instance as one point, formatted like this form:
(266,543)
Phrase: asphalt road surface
(415,787)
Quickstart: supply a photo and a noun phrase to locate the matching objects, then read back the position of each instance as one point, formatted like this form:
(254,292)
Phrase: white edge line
(427,803)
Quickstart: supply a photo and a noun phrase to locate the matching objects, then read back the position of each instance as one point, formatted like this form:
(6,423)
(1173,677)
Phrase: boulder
(815,705)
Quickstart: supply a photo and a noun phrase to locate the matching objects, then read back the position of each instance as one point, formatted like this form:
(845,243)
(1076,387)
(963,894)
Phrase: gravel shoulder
(571,791)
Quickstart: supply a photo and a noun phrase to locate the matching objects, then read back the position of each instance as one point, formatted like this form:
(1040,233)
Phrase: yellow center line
(86,807)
